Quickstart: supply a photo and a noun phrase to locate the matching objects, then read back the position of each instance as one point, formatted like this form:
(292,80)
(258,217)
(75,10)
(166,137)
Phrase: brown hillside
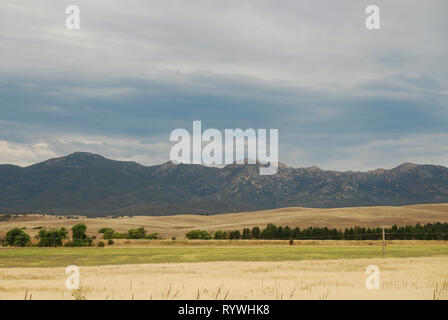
(178,225)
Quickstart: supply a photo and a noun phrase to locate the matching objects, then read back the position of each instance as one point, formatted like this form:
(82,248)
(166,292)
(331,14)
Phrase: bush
(120,235)
(104,230)
(100,244)
(110,242)
(110,234)
(219,234)
(138,233)
(152,236)
(51,238)
(17,238)
(198,234)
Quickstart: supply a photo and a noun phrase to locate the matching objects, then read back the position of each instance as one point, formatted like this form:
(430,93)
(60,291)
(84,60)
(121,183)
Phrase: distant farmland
(177,226)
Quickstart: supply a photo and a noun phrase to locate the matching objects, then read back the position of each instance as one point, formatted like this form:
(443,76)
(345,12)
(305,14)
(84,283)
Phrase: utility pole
(384,243)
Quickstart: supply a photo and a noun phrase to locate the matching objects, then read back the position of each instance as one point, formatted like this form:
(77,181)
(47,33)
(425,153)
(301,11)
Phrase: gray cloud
(136,70)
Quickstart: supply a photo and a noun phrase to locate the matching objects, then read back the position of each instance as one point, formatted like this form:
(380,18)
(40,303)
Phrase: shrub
(110,242)
(198,234)
(51,238)
(100,244)
(104,230)
(17,238)
(79,294)
(138,233)
(110,234)
(219,234)
(120,235)
(152,236)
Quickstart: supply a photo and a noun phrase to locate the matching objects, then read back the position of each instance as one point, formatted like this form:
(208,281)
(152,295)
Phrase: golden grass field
(178,225)
(238,269)
(400,278)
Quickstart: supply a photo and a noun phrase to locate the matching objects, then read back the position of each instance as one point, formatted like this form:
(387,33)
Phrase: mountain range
(89,184)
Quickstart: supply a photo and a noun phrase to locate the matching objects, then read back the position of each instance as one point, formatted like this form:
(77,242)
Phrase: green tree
(246,234)
(235,234)
(17,238)
(219,234)
(109,234)
(256,232)
(198,234)
(80,239)
(51,238)
(138,233)
(104,230)
(152,236)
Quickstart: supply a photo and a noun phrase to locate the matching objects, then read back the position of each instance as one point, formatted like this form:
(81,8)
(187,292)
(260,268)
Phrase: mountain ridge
(90,184)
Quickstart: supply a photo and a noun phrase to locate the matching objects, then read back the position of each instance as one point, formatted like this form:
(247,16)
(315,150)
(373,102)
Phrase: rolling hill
(178,225)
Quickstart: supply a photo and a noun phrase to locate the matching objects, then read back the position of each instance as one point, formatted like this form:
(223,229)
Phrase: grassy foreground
(53,257)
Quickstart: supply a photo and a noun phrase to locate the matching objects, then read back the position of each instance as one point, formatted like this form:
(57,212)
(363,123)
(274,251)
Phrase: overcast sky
(342,97)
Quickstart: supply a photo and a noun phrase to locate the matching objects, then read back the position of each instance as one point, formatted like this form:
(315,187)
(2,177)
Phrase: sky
(341,96)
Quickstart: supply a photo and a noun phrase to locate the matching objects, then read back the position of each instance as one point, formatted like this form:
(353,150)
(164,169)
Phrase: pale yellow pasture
(400,278)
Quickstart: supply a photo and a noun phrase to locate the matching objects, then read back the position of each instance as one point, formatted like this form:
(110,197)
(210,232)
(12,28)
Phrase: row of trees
(50,238)
(139,233)
(55,237)
(437,231)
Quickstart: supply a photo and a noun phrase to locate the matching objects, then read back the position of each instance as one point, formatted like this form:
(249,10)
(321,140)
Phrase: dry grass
(54,257)
(129,243)
(177,226)
(401,278)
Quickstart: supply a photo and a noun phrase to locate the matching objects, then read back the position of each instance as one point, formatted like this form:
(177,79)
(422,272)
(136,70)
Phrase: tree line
(436,231)
(138,233)
(56,237)
(50,238)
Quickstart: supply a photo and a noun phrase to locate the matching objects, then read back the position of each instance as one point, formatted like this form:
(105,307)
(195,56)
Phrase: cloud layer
(342,97)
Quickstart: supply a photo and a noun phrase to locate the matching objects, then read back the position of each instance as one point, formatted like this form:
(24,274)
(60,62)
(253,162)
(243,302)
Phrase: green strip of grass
(52,257)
